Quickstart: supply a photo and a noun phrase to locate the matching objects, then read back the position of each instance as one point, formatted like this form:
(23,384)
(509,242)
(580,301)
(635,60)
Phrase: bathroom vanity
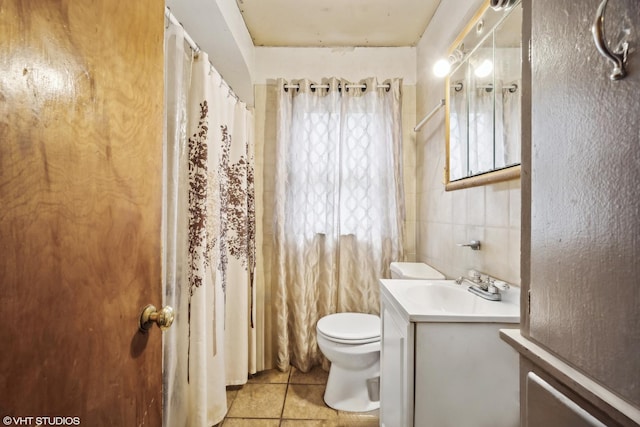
(442,360)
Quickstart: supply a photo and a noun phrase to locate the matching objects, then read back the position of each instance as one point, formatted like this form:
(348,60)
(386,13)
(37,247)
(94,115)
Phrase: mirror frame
(499,175)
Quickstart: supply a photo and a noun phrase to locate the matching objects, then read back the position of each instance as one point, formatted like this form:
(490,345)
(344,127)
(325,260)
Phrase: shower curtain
(339,206)
(209,235)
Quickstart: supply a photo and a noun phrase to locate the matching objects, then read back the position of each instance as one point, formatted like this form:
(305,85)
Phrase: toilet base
(347,388)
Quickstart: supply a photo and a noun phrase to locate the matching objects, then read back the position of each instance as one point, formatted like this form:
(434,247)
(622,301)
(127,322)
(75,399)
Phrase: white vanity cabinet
(439,369)
(396,361)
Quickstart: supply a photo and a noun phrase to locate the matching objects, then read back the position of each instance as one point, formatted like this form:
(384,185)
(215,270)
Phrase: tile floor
(288,399)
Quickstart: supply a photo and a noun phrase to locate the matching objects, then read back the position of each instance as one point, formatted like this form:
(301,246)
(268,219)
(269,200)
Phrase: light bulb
(484,69)
(441,68)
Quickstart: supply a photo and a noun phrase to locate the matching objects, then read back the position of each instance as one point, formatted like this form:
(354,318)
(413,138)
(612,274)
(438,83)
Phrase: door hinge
(529,51)
(529,301)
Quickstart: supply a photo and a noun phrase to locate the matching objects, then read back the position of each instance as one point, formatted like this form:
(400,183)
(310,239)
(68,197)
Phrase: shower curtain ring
(619,57)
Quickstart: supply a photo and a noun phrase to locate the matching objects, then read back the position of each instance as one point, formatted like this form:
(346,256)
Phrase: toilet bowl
(351,342)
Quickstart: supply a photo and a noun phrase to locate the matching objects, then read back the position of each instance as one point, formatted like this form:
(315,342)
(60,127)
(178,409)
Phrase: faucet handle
(503,286)
(495,286)
(491,286)
(476,276)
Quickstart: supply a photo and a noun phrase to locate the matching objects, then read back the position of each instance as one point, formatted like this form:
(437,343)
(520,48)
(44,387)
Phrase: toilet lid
(350,326)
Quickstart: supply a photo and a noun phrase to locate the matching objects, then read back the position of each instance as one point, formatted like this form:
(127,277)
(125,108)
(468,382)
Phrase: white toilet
(351,342)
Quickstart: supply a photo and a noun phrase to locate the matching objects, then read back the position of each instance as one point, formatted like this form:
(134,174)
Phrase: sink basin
(446,301)
(440,297)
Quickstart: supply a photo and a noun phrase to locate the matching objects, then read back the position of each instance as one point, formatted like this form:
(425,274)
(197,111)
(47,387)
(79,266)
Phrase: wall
(352,63)
(218,29)
(491,213)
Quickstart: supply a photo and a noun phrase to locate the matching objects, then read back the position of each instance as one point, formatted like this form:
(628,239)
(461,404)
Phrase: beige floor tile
(272,376)
(362,419)
(304,401)
(231,395)
(315,376)
(250,422)
(258,401)
(305,423)
(329,423)
(359,416)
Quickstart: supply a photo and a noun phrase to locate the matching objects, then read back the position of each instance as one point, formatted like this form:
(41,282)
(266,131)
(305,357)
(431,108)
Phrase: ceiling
(336,23)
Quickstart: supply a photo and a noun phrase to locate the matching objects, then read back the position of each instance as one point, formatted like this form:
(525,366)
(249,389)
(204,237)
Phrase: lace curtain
(339,205)
(458,132)
(507,131)
(481,127)
(493,138)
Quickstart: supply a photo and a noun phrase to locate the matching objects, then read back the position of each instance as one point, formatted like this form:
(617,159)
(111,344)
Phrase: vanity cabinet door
(548,406)
(396,364)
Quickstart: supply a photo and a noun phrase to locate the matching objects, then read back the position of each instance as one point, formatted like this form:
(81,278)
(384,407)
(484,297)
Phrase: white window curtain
(507,118)
(481,126)
(458,131)
(339,207)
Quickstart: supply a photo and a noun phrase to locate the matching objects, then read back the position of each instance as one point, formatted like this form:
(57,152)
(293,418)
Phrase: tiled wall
(490,213)
(409,173)
(265,139)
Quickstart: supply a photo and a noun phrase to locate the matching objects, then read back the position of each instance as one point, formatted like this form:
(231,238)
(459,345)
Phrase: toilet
(351,342)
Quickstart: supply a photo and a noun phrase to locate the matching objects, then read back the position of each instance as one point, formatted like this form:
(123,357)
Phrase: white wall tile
(497,205)
(515,204)
(458,207)
(475,205)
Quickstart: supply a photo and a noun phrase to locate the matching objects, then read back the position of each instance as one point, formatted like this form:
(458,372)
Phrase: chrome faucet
(475,279)
(474,245)
(487,289)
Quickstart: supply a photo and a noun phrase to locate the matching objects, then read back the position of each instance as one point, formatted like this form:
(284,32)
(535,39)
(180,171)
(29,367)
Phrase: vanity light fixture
(442,67)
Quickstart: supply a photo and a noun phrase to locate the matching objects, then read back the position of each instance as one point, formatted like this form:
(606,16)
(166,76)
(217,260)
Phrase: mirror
(483,100)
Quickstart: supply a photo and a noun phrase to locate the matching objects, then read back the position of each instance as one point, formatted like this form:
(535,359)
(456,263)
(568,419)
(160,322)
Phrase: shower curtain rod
(196,49)
(315,86)
(194,46)
(511,88)
(428,116)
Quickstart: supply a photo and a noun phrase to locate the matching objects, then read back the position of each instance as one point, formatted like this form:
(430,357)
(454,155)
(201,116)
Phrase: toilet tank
(414,270)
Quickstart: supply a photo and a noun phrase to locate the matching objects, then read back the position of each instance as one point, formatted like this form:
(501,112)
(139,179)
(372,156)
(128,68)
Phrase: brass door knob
(150,315)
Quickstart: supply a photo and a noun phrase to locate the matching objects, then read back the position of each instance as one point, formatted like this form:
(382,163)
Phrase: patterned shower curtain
(209,238)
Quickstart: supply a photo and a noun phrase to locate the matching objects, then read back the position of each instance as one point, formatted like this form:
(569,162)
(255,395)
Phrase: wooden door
(585,194)
(80,210)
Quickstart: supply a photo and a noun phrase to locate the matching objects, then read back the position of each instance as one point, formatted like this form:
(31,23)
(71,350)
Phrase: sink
(440,297)
(446,301)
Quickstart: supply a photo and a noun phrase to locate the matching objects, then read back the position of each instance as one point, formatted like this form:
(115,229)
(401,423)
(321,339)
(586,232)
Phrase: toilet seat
(350,328)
